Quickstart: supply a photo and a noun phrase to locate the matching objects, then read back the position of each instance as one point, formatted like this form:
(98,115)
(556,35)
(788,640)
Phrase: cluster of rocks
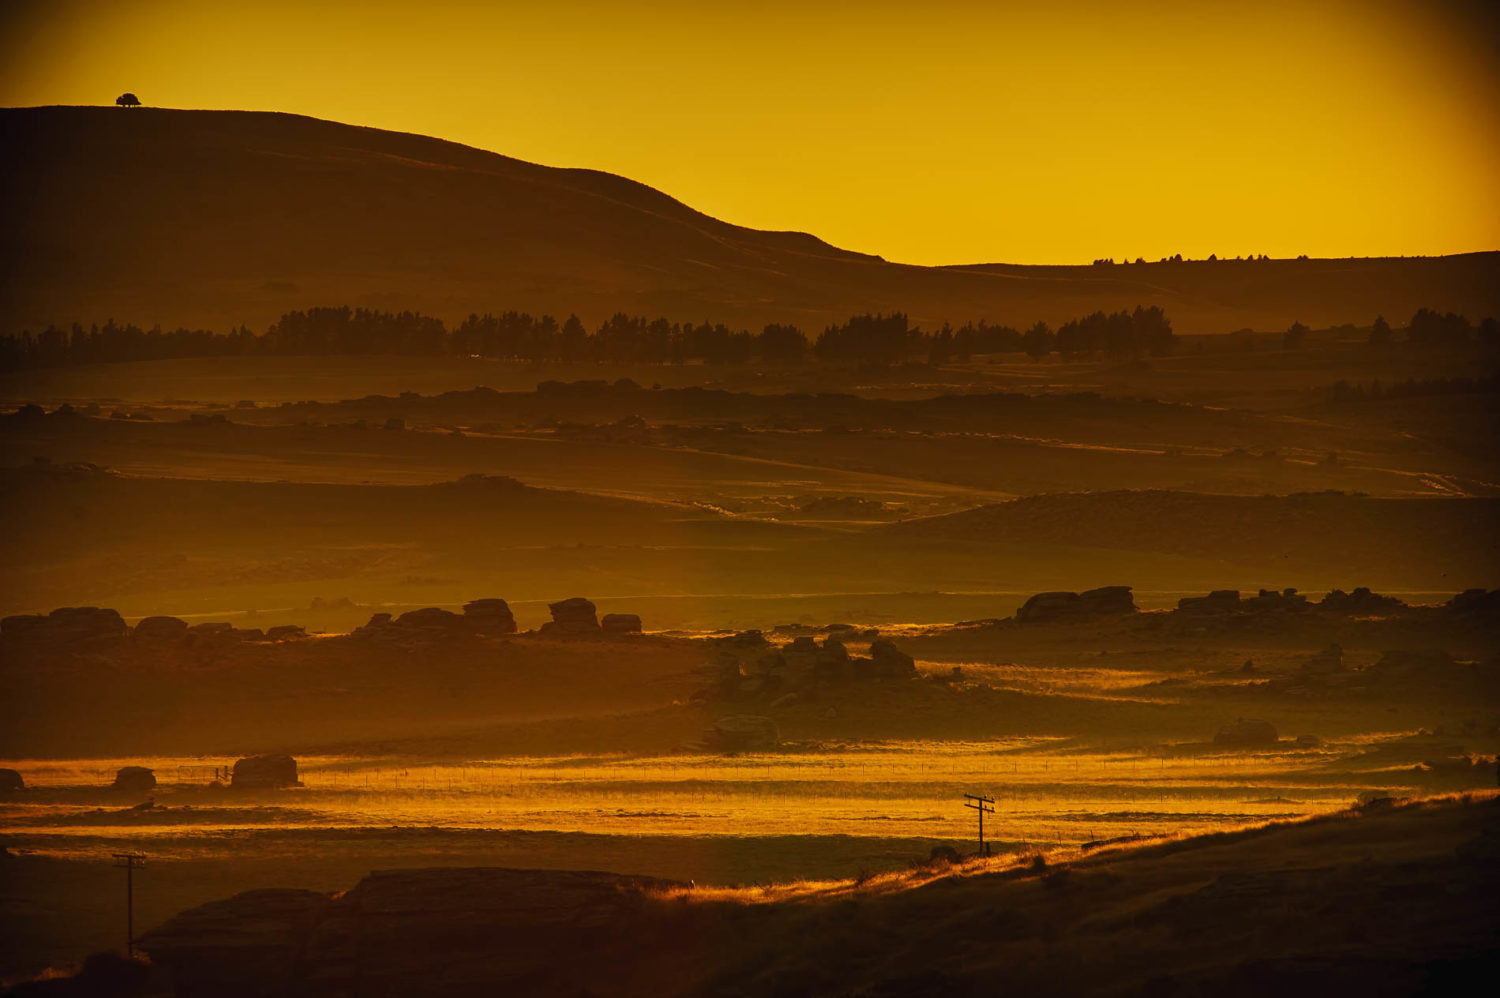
(69,626)
(256,772)
(576,615)
(491,617)
(1104,601)
(90,626)
(749,666)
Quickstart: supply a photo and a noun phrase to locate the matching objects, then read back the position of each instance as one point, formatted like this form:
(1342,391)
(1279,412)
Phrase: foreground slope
(1396,901)
(222,217)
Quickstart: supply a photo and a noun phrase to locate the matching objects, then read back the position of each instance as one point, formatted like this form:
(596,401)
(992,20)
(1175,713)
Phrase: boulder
(10,781)
(743,733)
(490,616)
(891,662)
(621,623)
(574,615)
(134,779)
(1247,732)
(160,629)
(285,632)
(265,772)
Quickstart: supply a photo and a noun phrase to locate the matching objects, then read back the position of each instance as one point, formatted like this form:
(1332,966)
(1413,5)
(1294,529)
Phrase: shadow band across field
(1385,901)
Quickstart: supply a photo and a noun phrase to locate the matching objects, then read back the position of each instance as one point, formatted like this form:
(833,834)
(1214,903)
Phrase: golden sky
(928,132)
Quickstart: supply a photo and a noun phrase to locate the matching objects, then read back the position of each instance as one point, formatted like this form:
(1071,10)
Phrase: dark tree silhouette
(128,100)
(1294,337)
(1380,332)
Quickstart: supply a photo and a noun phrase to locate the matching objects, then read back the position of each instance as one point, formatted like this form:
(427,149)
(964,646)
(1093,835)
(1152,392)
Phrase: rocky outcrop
(265,772)
(67,627)
(1218,601)
(10,781)
(1104,601)
(1246,732)
(743,733)
(891,662)
(160,629)
(285,632)
(490,616)
(433,619)
(1361,601)
(574,615)
(621,623)
(1475,601)
(1271,601)
(134,779)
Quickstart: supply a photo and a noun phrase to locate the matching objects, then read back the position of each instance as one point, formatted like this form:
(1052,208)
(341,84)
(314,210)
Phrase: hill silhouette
(222,217)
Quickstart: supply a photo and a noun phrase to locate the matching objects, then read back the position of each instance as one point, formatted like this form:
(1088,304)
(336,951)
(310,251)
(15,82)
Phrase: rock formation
(490,616)
(134,779)
(265,772)
(10,781)
(68,626)
(160,629)
(621,623)
(1361,601)
(572,616)
(1104,601)
(891,662)
(1218,601)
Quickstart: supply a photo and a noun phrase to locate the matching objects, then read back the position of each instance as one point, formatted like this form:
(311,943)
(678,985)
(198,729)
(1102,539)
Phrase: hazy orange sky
(936,132)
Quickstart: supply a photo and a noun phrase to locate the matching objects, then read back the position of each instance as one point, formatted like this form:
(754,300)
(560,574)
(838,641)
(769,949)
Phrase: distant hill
(1349,540)
(219,217)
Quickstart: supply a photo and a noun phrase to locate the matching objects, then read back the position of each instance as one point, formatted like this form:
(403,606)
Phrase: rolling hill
(215,218)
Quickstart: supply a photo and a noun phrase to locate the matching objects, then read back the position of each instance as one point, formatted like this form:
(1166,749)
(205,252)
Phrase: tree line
(341,331)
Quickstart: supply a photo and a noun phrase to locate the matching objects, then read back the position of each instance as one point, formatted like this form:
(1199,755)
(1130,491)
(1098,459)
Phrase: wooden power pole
(984,805)
(130,860)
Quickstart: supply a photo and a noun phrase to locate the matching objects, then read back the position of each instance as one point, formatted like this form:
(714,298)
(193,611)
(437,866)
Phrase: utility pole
(130,860)
(984,805)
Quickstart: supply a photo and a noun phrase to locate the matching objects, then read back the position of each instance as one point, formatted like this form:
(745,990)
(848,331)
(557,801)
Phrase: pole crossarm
(984,805)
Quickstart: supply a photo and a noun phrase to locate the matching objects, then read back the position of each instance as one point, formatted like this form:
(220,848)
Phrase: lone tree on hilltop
(128,100)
